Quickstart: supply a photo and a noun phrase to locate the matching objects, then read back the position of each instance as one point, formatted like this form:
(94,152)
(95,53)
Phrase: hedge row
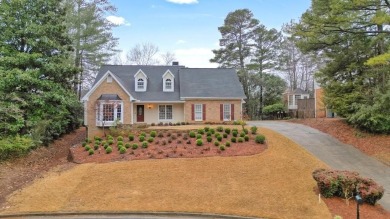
(346,184)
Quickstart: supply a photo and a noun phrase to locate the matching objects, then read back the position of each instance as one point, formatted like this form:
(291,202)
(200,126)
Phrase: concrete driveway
(334,153)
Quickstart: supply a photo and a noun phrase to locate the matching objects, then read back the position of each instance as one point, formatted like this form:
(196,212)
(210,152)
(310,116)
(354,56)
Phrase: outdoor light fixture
(149,106)
(359,201)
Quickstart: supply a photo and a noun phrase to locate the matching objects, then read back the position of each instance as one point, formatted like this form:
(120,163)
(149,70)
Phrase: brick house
(134,94)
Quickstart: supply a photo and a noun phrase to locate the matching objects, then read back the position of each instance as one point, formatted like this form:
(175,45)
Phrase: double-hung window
(109,112)
(198,110)
(165,112)
(168,84)
(140,84)
(226,112)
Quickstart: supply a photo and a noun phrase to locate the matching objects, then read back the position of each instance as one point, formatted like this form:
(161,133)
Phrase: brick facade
(320,106)
(212,110)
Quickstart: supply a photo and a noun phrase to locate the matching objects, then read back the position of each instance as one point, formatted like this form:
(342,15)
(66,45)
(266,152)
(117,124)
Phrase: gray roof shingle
(189,82)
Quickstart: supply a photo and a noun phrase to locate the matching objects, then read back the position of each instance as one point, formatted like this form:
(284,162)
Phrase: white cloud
(118,20)
(195,57)
(183,1)
(181,42)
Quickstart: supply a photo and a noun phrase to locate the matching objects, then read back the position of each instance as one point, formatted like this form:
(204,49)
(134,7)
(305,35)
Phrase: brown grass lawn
(274,184)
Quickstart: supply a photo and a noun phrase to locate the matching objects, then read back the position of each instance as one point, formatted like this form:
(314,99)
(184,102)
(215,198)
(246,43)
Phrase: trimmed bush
(208,134)
(105,145)
(109,137)
(87,148)
(185,136)
(199,142)
(127,145)
(110,141)
(227,131)
(141,138)
(200,131)
(347,184)
(234,140)
(225,135)
(260,139)
(220,129)
(131,137)
(192,134)
(212,130)
(153,134)
(134,146)
(240,139)
(246,138)
(108,149)
(206,129)
(242,134)
(122,150)
(143,134)
(235,130)
(84,144)
(96,147)
(144,144)
(119,138)
(219,138)
(253,130)
(90,151)
(150,139)
(216,143)
(245,131)
(119,144)
(227,144)
(209,138)
(198,136)
(234,133)
(222,147)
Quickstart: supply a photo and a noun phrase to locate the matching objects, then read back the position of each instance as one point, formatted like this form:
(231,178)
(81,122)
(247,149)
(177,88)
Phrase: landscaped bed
(159,144)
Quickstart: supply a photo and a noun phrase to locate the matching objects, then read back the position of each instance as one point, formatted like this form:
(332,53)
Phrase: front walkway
(334,153)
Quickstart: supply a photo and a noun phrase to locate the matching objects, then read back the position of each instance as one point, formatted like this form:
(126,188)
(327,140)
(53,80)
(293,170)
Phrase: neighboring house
(321,110)
(132,94)
(294,96)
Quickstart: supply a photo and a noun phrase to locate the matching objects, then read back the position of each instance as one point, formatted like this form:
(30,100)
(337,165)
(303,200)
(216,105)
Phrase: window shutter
(204,112)
(221,112)
(232,112)
(192,112)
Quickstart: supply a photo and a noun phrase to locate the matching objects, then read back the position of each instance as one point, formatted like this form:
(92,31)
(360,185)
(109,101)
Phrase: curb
(125,213)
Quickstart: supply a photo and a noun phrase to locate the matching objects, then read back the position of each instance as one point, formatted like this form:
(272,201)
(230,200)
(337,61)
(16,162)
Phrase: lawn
(274,184)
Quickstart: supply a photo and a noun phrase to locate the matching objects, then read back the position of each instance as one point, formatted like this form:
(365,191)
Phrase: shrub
(177,123)
(219,138)
(153,124)
(225,135)
(108,149)
(245,131)
(83,144)
(227,144)
(185,136)
(120,143)
(192,134)
(198,136)
(103,142)
(216,143)
(122,150)
(260,139)
(160,135)
(179,134)
(347,184)
(201,131)
(134,146)
(87,148)
(110,141)
(208,134)
(234,133)
(144,144)
(141,138)
(183,123)
(253,129)
(240,139)
(127,145)
(220,129)
(227,131)
(96,147)
(173,137)
(169,140)
(234,140)
(212,130)
(153,134)
(90,151)
(206,129)
(119,138)
(105,145)
(88,140)
(235,130)
(222,147)
(109,137)
(150,139)
(189,141)
(209,138)
(131,137)
(169,134)
(199,142)
(246,138)
(143,134)
(242,134)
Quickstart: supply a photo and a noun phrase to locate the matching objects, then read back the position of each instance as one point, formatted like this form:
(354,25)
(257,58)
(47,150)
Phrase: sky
(189,28)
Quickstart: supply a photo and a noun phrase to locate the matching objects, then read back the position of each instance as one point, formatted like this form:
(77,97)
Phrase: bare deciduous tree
(168,58)
(143,54)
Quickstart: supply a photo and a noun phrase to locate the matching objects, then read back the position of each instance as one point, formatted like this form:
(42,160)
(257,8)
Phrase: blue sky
(189,28)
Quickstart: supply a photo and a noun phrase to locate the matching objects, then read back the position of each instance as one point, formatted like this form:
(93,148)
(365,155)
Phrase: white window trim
(158,113)
(230,111)
(99,113)
(165,89)
(200,111)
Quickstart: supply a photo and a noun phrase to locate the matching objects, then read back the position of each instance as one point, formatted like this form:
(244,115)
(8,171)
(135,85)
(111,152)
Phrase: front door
(140,113)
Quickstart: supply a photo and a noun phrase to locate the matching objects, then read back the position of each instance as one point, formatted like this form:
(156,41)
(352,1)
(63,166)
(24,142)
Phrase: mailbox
(359,199)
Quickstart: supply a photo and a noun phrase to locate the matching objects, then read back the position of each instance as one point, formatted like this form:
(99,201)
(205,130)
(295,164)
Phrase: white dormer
(141,81)
(168,81)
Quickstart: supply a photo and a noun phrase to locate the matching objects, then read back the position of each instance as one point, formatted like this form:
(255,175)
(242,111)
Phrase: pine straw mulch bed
(172,144)
(377,146)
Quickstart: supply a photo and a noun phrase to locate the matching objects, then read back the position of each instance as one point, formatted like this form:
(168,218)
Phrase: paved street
(334,153)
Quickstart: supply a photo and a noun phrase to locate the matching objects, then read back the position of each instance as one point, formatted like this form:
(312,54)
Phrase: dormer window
(168,81)
(140,84)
